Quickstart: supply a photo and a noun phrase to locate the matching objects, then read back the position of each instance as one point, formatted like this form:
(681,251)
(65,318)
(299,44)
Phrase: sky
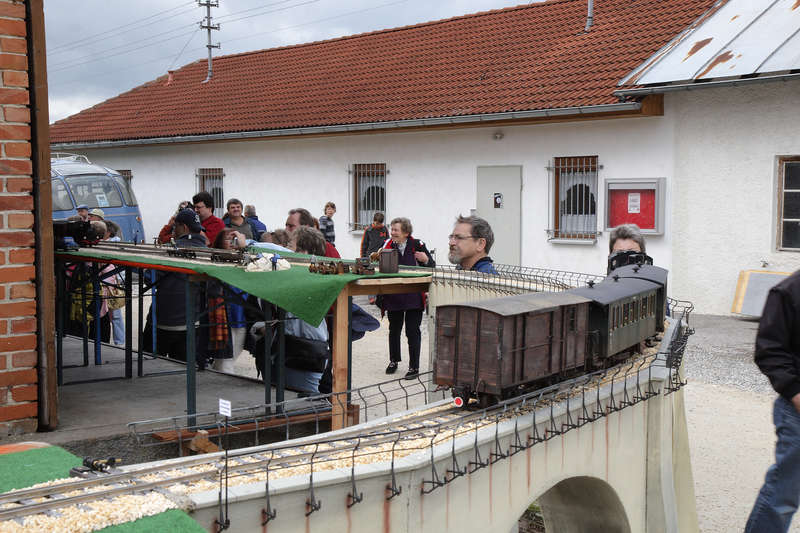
(97,49)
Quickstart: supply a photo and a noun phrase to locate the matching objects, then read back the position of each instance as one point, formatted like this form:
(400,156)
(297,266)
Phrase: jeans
(778,499)
(412,319)
(117,326)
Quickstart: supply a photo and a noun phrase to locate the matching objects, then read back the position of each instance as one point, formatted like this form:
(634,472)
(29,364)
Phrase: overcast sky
(97,49)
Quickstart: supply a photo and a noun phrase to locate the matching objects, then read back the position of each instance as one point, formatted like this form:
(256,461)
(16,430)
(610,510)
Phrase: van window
(94,191)
(61,199)
(127,193)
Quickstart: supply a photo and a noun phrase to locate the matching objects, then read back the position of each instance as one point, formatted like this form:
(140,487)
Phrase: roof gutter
(644,91)
(365,126)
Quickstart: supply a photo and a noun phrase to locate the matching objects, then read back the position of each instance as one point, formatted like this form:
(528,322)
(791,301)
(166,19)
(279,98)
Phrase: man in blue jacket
(470,242)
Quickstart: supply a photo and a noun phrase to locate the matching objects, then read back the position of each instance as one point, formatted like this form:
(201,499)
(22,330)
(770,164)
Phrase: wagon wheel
(486,400)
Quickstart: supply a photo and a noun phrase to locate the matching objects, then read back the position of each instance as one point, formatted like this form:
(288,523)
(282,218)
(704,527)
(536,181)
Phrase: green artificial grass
(23,469)
(173,521)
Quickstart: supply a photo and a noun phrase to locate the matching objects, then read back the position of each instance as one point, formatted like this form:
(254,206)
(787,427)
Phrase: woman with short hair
(405,308)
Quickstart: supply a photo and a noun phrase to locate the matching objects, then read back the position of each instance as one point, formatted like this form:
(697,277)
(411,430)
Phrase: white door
(499,201)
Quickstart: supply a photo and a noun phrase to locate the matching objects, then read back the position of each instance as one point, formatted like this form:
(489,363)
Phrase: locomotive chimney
(589,16)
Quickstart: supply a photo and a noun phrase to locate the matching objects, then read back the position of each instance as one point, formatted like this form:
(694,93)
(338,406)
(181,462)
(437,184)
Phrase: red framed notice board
(639,202)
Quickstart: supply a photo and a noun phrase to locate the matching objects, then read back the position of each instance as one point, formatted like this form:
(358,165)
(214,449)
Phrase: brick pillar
(18,288)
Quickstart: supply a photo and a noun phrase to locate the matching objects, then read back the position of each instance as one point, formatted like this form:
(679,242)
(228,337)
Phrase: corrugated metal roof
(734,38)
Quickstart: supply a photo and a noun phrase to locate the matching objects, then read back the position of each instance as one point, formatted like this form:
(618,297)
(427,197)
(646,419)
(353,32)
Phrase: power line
(82,79)
(73,44)
(133,47)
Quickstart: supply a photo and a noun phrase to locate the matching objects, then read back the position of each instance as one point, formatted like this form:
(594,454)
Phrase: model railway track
(438,424)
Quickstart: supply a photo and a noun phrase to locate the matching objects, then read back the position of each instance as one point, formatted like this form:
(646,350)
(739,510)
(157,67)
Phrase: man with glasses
(204,207)
(470,242)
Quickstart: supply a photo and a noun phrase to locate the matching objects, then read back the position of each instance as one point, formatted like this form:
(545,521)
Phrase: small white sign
(634,202)
(224,407)
(102,200)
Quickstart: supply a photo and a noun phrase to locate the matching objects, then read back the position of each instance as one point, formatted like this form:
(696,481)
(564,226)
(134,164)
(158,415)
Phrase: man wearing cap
(97,214)
(171,296)
(83,212)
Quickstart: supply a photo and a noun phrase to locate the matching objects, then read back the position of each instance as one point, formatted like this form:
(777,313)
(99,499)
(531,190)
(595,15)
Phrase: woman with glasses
(405,308)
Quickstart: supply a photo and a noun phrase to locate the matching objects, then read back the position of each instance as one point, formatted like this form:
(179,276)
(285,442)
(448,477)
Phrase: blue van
(76,181)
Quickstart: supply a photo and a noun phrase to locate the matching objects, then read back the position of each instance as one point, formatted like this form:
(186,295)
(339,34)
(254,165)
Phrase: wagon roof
(524,303)
(646,272)
(608,290)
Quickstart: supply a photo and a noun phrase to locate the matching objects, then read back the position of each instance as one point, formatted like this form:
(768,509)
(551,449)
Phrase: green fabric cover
(23,469)
(306,295)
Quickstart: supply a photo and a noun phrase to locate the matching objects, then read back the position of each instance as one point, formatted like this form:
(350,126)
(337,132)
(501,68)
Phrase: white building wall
(727,143)
(432,177)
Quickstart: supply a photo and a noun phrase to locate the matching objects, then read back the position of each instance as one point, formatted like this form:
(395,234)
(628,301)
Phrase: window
(61,199)
(574,198)
(127,174)
(369,193)
(94,191)
(789,203)
(125,186)
(210,180)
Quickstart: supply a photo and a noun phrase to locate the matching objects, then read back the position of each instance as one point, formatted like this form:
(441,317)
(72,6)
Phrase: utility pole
(205,24)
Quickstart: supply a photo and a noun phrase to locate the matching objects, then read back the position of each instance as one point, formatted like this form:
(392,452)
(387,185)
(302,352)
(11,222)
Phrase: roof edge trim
(660,89)
(364,126)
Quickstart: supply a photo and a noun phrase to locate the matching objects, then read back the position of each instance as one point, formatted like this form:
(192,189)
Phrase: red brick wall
(18,350)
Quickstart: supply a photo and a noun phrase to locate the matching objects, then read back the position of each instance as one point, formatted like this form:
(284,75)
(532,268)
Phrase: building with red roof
(530,116)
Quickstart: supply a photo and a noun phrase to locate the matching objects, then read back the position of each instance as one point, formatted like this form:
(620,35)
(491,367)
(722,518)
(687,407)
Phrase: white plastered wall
(432,177)
(727,143)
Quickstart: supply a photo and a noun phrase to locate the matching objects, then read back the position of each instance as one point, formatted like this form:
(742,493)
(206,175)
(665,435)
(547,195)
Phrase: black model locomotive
(496,348)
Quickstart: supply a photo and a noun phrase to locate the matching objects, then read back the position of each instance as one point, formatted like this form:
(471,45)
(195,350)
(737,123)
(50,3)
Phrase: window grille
(574,198)
(789,204)
(369,193)
(127,174)
(210,180)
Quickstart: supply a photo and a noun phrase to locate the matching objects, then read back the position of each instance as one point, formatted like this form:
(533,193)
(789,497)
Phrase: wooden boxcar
(493,347)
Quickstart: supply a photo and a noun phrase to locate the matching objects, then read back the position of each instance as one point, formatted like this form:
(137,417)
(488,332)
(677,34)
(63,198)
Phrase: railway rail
(385,440)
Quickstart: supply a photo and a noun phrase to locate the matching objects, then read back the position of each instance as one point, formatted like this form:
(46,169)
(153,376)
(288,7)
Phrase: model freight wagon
(491,348)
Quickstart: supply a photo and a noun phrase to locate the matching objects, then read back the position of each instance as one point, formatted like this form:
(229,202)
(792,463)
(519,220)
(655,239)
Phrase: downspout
(589,16)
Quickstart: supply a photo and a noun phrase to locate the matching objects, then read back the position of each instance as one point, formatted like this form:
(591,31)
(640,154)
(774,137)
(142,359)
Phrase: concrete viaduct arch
(628,470)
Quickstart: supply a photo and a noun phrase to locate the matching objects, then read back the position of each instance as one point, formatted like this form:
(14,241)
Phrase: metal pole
(349,346)
(84,305)
(281,366)
(267,366)
(208,4)
(191,356)
(97,319)
(139,326)
(128,323)
(60,303)
(153,309)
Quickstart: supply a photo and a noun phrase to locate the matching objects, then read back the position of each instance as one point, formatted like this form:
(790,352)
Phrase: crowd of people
(234,320)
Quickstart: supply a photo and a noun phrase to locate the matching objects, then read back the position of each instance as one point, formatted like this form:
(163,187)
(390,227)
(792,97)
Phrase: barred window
(574,198)
(789,204)
(369,193)
(210,180)
(126,173)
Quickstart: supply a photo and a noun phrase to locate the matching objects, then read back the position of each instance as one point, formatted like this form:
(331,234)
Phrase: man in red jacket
(204,207)
(301,217)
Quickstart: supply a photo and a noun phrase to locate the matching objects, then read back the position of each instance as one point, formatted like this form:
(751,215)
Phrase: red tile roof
(528,57)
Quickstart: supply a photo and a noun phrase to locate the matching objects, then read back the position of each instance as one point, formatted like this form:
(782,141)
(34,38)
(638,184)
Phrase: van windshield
(61,199)
(127,193)
(94,190)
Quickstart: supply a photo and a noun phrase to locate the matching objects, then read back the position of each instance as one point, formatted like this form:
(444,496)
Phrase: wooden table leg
(340,327)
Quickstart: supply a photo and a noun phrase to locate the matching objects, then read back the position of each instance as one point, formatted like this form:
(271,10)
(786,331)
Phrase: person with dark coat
(405,308)
(778,357)
(171,298)
(250,213)
(374,236)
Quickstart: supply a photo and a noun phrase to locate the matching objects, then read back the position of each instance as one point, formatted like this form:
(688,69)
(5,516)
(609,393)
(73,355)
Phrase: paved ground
(728,403)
